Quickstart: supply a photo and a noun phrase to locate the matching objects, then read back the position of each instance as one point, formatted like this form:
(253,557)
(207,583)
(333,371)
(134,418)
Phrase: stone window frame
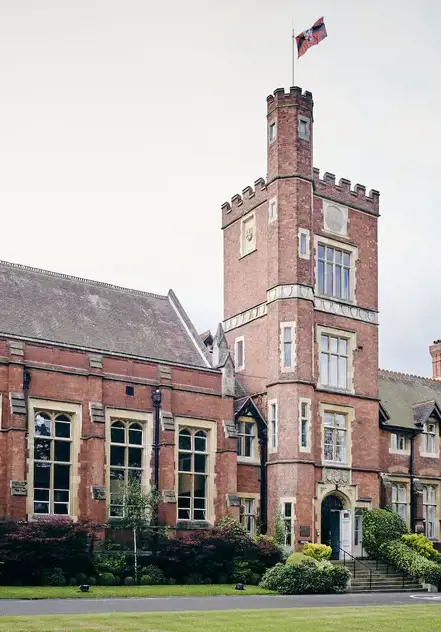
(304,135)
(425,437)
(248,218)
(290,325)
(244,496)
(210,428)
(351,338)
(394,443)
(273,434)
(272,203)
(304,232)
(349,412)
(307,418)
(239,339)
(397,485)
(321,240)
(272,125)
(436,522)
(146,420)
(291,501)
(74,411)
(255,456)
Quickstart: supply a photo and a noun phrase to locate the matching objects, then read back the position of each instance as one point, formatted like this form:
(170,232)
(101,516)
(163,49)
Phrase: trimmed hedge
(381,526)
(308,577)
(406,559)
(422,545)
(319,552)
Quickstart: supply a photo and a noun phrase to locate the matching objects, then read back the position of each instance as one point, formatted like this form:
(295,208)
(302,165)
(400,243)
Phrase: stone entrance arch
(336,528)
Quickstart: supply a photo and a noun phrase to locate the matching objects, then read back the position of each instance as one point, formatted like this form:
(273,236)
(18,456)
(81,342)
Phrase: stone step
(418,589)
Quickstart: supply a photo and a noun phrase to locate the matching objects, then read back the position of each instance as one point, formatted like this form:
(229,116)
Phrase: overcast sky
(124,124)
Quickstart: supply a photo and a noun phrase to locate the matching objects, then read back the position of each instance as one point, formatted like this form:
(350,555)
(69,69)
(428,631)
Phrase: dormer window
(429,443)
(399,442)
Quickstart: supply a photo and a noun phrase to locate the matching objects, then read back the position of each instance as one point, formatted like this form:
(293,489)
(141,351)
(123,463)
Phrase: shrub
(171,581)
(155,575)
(107,579)
(91,581)
(129,581)
(72,581)
(114,562)
(231,525)
(195,578)
(296,558)
(421,545)
(244,574)
(381,526)
(26,548)
(319,552)
(309,577)
(279,530)
(53,577)
(81,578)
(408,560)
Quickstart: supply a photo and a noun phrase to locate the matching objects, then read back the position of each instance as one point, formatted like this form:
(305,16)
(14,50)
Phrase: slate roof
(46,306)
(408,399)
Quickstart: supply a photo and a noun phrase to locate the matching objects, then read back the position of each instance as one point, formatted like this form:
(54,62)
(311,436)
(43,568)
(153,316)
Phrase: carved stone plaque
(336,477)
(305,532)
(98,492)
(19,488)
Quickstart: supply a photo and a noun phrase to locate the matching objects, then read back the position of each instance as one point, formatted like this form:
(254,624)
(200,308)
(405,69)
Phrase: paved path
(167,604)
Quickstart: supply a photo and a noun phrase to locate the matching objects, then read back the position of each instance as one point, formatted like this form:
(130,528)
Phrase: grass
(387,619)
(72,592)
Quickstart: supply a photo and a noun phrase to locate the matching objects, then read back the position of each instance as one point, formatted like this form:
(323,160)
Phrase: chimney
(435,352)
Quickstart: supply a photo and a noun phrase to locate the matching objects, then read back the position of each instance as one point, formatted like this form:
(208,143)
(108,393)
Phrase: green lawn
(388,619)
(64,592)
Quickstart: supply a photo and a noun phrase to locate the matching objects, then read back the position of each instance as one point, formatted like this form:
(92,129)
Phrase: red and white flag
(311,37)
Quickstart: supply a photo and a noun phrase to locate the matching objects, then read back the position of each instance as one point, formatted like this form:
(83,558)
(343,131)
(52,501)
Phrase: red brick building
(100,384)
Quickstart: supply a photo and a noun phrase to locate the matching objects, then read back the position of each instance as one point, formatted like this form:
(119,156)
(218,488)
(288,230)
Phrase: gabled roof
(407,401)
(49,307)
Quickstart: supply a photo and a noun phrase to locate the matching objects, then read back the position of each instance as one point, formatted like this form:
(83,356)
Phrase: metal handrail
(355,562)
(377,562)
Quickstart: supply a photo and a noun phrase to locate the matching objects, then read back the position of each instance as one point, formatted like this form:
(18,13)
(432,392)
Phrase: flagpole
(293,56)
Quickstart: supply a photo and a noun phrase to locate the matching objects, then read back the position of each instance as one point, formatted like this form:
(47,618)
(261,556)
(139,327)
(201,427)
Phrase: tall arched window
(399,500)
(52,463)
(192,474)
(429,506)
(126,461)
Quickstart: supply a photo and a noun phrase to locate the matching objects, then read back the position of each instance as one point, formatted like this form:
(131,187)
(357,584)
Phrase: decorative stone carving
(165,373)
(16,348)
(230,429)
(95,361)
(168,496)
(336,477)
(245,317)
(305,531)
(167,420)
(18,403)
(335,218)
(290,291)
(97,413)
(19,488)
(350,311)
(98,492)
(233,500)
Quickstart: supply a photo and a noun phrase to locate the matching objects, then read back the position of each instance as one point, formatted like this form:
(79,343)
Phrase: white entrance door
(345,532)
(358,534)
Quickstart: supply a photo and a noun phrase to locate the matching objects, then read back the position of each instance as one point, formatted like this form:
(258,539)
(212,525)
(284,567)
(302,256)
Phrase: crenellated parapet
(343,193)
(295,96)
(240,205)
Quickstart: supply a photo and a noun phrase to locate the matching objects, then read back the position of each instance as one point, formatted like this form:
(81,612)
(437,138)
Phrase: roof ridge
(70,277)
(387,372)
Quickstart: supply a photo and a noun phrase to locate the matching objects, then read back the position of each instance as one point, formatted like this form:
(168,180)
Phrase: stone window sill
(427,455)
(186,525)
(246,460)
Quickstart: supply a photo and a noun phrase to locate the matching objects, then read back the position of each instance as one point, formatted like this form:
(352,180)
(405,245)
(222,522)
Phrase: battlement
(242,204)
(343,193)
(295,96)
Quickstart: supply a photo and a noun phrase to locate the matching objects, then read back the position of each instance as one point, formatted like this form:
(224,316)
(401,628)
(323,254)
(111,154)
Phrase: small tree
(139,512)
(279,530)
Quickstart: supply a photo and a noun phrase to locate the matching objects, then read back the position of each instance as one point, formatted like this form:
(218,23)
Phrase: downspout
(263,444)
(156,401)
(411,474)
(26,385)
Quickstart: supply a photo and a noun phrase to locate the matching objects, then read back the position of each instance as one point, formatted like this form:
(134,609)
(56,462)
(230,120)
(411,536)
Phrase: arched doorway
(332,505)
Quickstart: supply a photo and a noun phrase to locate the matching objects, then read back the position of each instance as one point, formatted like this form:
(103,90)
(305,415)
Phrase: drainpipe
(156,401)
(26,385)
(263,445)
(411,474)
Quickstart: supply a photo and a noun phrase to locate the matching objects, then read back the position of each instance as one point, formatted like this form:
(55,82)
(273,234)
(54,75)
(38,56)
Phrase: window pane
(287,334)
(249,429)
(42,475)
(199,486)
(402,493)
(184,440)
(135,434)
(345,290)
(62,429)
(333,381)
(341,437)
(61,496)
(118,433)
(329,254)
(287,510)
(135,457)
(117,455)
(200,461)
(321,252)
(185,481)
(41,508)
(304,410)
(321,277)
(324,372)
(328,453)
(62,451)
(340,421)
(42,449)
(304,434)
(61,476)
(394,493)
(342,372)
(337,280)
(117,482)
(329,419)
(343,346)
(62,418)
(329,279)
(333,344)
(340,453)
(184,462)
(337,258)
(302,243)
(61,509)
(239,353)
(200,442)
(42,425)
(41,494)
(240,446)
(346,259)
(248,441)
(287,355)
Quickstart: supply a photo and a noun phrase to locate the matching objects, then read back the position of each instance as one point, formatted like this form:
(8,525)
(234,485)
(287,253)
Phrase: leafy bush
(244,574)
(406,559)
(195,578)
(26,548)
(296,558)
(72,581)
(319,552)
(309,577)
(114,562)
(421,545)
(279,530)
(145,580)
(152,575)
(107,579)
(233,526)
(81,578)
(129,581)
(53,577)
(91,581)
(379,527)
